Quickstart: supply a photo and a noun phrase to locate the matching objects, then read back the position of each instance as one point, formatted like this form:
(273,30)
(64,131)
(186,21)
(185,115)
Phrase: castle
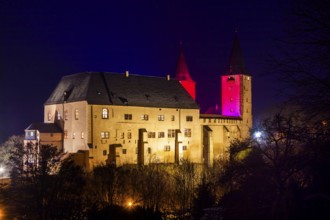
(121,119)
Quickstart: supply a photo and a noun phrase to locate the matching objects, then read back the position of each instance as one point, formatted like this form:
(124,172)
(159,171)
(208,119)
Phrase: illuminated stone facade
(134,119)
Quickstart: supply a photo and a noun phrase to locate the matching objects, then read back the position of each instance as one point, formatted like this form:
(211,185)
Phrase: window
(124,151)
(145,117)
(167,148)
(149,150)
(172,118)
(49,116)
(161,117)
(151,134)
(65,134)
(76,114)
(128,116)
(161,134)
(184,147)
(31,133)
(187,132)
(66,115)
(58,116)
(171,133)
(105,113)
(122,135)
(73,135)
(82,135)
(189,118)
(104,152)
(105,134)
(129,135)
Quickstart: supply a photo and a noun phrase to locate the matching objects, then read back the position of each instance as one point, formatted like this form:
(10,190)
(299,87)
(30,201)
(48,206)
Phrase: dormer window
(105,113)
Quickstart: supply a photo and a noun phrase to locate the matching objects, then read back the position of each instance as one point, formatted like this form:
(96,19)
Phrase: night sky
(41,41)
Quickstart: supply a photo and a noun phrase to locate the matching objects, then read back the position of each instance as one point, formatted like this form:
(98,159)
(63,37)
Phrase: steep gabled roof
(236,62)
(117,89)
(44,127)
(182,72)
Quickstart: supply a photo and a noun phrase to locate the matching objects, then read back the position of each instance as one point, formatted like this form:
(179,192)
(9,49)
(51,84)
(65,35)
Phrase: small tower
(236,88)
(183,76)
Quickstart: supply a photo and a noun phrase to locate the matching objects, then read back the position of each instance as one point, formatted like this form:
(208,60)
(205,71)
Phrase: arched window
(105,113)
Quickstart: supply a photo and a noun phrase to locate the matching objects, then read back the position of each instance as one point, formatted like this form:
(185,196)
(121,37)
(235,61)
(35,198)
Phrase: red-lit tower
(183,76)
(236,87)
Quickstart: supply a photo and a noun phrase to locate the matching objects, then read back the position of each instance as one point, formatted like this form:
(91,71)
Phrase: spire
(236,62)
(182,72)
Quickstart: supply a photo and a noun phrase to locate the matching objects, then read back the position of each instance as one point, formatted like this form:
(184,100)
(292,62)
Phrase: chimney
(126,73)
(168,77)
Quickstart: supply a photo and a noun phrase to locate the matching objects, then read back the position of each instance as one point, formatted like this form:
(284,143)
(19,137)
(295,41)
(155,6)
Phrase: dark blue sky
(41,41)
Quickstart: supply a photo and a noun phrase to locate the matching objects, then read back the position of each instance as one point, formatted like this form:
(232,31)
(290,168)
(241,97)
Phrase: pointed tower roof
(182,72)
(236,62)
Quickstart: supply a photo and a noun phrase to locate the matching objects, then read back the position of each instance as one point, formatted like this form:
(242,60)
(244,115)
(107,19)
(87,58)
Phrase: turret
(236,94)
(183,76)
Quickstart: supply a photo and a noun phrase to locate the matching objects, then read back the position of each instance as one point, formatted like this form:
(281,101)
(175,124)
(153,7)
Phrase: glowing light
(130,204)
(257,134)
(1,213)
(2,170)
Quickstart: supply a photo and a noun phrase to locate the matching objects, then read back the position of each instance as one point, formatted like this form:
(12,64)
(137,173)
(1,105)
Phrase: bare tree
(303,61)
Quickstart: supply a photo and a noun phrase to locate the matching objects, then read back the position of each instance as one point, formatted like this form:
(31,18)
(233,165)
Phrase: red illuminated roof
(182,72)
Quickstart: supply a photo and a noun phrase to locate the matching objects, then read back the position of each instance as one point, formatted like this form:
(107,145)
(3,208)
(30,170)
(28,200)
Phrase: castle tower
(183,76)
(236,89)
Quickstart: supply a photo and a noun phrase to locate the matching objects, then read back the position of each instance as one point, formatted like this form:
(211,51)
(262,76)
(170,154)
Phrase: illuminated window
(145,117)
(105,134)
(104,152)
(151,134)
(128,116)
(161,117)
(161,134)
(66,115)
(129,135)
(105,113)
(82,135)
(31,133)
(167,148)
(184,147)
(76,114)
(66,134)
(73,135)
(124,151)
(58,116)
(171,133)
(187,132)
(189,118)
(172,118)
